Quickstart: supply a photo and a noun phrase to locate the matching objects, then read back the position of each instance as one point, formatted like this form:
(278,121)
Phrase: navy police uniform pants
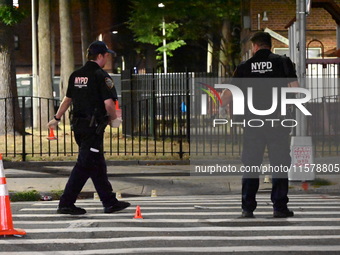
(90,164)
(276,139)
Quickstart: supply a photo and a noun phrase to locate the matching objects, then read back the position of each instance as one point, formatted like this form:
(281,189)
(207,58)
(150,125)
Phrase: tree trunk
(85,27)
(224,69)
(10,118)
(66,45)
(216,46)
(151,62)
(45,61)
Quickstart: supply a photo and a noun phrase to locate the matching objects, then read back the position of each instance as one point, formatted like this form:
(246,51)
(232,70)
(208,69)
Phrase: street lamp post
(161,5)
(35,87)
(301,144)
(34,49)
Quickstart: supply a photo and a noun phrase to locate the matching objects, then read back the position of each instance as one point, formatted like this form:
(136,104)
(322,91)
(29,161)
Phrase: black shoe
(120,205)
(283,214)
(246,214)
(73,210)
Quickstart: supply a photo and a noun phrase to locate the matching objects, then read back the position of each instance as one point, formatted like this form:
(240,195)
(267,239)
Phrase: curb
(22,164)
(49,196)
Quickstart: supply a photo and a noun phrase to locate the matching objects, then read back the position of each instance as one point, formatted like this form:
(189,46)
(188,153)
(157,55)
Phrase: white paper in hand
(116,122)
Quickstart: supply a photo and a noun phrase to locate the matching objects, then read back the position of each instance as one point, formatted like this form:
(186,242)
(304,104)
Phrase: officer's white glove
(116,122)
(53,124)
(222,112)
(119,113)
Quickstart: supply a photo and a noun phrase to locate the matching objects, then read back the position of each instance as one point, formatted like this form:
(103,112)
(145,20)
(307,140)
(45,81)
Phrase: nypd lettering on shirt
(261,67)
(80,82)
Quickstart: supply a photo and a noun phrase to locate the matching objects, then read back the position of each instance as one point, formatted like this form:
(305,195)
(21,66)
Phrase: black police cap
(99,47)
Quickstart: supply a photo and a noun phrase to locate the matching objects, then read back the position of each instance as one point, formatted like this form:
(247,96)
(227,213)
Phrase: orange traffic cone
(118,110)
(51,135)
(138,214)
(304,186)
(6,222)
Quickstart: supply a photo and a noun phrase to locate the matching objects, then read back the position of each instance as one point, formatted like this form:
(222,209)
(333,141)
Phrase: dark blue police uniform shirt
(89,87)
(262,72)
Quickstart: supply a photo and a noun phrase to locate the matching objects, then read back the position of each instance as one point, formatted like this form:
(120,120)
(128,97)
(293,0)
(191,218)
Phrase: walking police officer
(266,71)
(91,92)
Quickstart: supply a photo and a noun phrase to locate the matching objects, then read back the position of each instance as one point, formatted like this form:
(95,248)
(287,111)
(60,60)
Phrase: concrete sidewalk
(139,178)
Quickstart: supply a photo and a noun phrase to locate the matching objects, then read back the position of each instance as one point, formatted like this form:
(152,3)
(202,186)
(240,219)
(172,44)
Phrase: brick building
(277,15)
(322,46)
(109,15)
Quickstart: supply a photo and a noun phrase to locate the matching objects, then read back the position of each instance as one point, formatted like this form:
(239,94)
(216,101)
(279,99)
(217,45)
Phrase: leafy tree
(10,15)
(146,22)
(192,20)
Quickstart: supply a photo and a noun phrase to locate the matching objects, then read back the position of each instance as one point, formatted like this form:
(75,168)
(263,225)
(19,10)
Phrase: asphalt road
(180,225)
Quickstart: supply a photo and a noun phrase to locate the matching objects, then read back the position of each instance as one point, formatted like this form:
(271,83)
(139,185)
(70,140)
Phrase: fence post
(188,106)
(127,102)
(23,115)
(180,130)
(154,106)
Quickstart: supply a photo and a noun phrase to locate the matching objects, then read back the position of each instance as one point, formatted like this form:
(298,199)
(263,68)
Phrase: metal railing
(160,120)
(324,125)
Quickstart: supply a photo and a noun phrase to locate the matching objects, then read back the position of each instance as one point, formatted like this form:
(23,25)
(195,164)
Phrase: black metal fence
(324,125)
(160,116)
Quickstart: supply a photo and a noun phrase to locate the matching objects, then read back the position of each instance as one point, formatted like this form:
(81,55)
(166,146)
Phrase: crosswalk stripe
(183,224)
(196,203)
(182,229)
(194,207)
(206,200)
(226,197)
(166,238)
(195,213)
(228,249)
(123,220)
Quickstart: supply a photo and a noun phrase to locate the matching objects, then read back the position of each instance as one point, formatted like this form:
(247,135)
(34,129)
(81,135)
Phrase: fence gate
(322,80)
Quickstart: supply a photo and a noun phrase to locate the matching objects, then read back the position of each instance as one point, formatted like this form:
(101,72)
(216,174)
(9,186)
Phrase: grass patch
(56,194)
(318,182)
(31,195)
(116,146)
(36,147)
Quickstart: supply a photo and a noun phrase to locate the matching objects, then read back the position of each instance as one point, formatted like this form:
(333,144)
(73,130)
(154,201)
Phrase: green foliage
(185,20)
(11,15)
(170,47)
(31,195)
(321,182)
(56,194)
(147,24)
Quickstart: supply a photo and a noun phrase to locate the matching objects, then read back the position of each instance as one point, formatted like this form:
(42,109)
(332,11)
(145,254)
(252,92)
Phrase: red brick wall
(102,16)
(23,56)
(320,24)
(279,13)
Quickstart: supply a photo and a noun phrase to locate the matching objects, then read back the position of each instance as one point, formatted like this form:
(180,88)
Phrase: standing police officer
(92,94)
(266,71)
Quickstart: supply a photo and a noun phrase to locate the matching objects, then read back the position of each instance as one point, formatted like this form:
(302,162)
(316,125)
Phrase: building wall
(102,20)
(320,24)
(23,54)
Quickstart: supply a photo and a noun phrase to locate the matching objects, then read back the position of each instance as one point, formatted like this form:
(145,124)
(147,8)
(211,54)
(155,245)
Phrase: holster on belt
(102,124)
